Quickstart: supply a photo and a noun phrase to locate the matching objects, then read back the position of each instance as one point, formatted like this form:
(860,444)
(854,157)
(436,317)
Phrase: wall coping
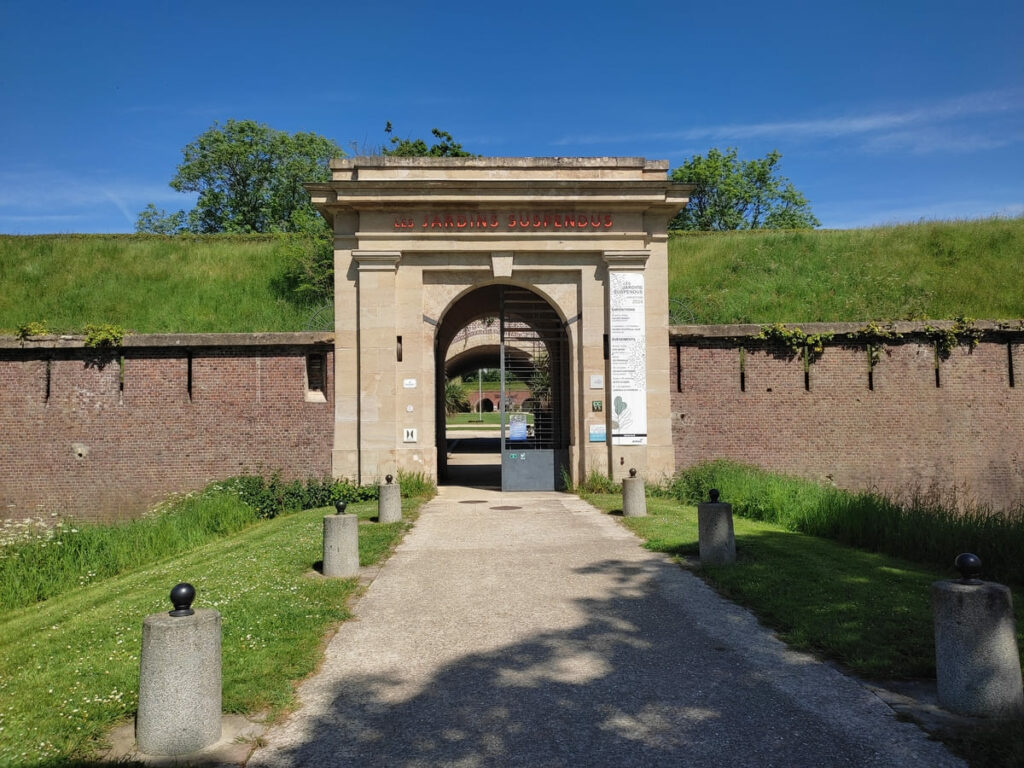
(178,340)
(685,333)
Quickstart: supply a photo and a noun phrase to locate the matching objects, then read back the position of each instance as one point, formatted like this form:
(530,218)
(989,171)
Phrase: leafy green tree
(160,222)
(730,193)
(249,179)
(446,146)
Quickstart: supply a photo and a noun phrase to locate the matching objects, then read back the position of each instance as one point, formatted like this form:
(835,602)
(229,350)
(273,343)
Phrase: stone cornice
(377,261)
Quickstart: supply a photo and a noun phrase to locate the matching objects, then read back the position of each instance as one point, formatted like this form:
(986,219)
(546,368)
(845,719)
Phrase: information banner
(628,353)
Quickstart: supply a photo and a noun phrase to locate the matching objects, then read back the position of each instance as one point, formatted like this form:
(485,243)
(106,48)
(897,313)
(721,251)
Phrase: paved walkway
(542,634)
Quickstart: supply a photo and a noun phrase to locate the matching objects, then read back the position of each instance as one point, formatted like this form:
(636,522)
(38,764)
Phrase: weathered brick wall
(87,444)
(905,435)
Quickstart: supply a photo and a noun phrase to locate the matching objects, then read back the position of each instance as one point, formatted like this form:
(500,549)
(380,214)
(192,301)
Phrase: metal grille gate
(534,401)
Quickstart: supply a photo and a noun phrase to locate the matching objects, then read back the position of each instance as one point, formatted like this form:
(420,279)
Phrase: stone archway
(413,235)
(531,449)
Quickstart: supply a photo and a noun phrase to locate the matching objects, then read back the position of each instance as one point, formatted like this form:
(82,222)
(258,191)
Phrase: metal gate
(534,393)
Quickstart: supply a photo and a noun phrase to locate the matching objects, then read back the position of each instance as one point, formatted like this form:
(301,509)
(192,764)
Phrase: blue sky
(883,111)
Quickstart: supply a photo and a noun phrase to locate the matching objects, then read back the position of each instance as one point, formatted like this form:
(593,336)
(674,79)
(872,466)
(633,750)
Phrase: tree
(445,147)
(740,194)
(249,179)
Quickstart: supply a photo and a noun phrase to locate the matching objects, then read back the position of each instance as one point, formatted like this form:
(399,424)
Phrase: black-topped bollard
(179,678)
(634,500)
(715,531)
(977,664)
(389,501)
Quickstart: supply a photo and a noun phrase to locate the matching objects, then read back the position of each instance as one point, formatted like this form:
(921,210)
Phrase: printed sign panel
(628,353)
(516,426)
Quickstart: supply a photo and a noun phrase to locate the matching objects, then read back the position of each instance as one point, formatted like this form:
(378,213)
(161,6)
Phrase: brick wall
(901,435)
(79,436)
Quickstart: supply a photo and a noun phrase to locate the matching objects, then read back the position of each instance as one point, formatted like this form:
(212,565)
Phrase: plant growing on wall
(793,341)
(963,331)
(103,335)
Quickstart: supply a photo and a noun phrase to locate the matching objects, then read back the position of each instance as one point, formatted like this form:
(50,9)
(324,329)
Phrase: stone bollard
(714,530)
(341,544)
(976,660)
(389,502)
(179,679)
(634,500)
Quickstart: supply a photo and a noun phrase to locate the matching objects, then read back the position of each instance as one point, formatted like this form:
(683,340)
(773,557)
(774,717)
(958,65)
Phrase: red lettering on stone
(607,220)
(595,221)
(570,222)
(557,222)
(524,223)
(536,220)
(460,222)
(449,222)
(426,221)
(494,221)
(547,221)
(511,221)
(436,222)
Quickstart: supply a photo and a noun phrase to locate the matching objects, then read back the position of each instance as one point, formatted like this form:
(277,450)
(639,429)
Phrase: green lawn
(69,665)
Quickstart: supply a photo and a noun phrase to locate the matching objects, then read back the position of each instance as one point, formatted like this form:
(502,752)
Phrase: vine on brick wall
(809,346)
(963,331)
(875,337)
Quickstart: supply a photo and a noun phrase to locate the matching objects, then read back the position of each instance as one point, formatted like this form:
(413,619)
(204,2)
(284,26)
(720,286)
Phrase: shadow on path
(638,682)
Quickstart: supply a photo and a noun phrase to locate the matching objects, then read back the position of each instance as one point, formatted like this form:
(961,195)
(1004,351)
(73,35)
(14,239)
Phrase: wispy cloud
(872,213)
(39,197)
(929,128)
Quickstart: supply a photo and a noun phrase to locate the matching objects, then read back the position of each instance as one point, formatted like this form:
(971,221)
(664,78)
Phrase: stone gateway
(565,257)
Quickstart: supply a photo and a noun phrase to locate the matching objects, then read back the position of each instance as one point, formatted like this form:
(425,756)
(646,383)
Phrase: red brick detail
(963,439)
(100,453)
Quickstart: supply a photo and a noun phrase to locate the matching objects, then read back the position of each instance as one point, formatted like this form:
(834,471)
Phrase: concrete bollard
(179,679)
(341,544)
(715,533)
(976,659)
(389,502)
(634,499)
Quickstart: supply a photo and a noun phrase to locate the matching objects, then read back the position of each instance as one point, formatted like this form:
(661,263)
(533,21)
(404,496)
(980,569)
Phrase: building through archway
(568,256)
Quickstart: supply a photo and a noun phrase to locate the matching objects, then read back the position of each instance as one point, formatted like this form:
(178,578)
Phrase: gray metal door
(534,401)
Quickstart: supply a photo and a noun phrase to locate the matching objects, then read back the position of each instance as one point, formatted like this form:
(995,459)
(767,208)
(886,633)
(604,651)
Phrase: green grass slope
(147,284)
(151,284)
(931,270)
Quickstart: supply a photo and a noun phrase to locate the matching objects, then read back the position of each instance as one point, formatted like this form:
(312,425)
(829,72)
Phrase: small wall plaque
(409,435)
(409,383)
(596,406)
(597,381)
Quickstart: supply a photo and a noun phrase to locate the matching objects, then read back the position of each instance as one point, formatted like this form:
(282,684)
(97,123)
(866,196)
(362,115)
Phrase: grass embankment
(189,284)
(148,284)
(69,666)
(931,270)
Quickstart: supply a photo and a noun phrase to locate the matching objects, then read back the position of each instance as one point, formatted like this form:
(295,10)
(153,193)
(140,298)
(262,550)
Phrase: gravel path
(544,635)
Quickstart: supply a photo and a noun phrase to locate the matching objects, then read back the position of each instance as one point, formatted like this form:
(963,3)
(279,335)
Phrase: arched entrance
(529,450)
(567,255)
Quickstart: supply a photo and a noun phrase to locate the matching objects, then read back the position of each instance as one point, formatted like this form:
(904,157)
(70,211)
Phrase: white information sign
(628,353)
